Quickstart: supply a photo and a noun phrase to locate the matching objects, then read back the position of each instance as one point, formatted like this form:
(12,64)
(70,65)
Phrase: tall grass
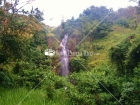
(36,97)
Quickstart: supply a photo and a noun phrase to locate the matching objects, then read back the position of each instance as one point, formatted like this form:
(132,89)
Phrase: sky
(56,10)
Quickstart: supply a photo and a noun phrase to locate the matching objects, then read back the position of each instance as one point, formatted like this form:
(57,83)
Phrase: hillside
(118,35)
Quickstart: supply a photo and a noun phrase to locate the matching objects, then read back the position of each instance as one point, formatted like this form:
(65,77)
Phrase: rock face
(64,59)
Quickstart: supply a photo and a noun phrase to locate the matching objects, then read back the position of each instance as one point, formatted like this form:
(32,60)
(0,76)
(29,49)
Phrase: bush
(77,64)
(122,22)
(5,79)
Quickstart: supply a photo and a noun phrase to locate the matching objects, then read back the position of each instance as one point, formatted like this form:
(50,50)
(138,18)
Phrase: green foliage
(77,64)
(137,73)
(16,95)
(88,23)
(122,22)
(54,84)
(38,14)
(31,73)
(23,64)
(130,92)
(22,45)
(90,88)
(84,90)
(102,30)
(105,75)
(96,13)
(133,57)
(119,54)
(126,54)
(5,79)
(13,46)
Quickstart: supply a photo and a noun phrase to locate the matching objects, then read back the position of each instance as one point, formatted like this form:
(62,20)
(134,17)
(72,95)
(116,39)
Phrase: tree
(14,5)
(137,1)
(37,14)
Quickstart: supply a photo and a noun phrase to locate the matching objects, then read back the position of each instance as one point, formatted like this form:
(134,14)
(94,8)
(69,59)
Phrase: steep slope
(102,46)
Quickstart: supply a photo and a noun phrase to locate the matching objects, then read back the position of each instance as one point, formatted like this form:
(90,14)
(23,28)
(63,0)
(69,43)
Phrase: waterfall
(64,59)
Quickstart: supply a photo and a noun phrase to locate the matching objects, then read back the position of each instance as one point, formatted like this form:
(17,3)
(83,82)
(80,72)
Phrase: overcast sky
(55,10)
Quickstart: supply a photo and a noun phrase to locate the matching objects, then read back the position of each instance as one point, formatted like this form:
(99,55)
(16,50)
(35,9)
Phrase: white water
(64,59)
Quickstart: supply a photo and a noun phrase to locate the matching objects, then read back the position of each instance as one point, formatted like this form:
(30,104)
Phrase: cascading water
(64,59)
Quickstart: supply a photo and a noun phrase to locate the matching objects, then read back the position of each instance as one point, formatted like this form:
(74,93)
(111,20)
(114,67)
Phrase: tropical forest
(90,60)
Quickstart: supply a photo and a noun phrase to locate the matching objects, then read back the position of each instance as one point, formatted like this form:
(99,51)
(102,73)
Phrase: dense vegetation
(110,76)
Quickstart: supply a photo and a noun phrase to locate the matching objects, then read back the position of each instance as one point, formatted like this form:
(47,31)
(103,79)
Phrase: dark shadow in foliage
(102,30)
(13,46)
(118,55)
(6,80)
(126,55)
(122,22)
(76,64)
(134,58)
